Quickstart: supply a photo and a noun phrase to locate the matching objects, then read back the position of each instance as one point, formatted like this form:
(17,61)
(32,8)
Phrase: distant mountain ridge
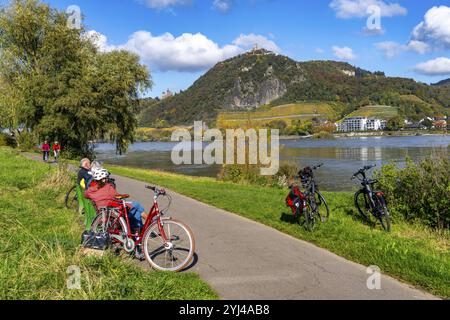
(442,83)
(260,77)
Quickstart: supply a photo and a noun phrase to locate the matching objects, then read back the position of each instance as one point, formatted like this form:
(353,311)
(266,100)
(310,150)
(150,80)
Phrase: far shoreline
(335,136)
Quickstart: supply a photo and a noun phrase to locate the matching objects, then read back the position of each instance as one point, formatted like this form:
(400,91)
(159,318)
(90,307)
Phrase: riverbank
(372,134)
(412,253)
(40,241)
(164,135)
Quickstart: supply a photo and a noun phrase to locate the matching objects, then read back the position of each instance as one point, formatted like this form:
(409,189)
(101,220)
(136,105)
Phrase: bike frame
(367,189)
(312,188)
(153,213)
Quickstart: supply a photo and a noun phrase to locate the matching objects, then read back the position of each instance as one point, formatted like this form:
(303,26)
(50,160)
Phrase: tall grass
(40,241)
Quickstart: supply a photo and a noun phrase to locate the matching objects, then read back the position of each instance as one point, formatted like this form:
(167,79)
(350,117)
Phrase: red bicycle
(168,244)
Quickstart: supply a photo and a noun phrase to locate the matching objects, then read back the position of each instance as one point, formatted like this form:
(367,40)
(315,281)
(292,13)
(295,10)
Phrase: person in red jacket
(56,150)
(45,151)
(103,192)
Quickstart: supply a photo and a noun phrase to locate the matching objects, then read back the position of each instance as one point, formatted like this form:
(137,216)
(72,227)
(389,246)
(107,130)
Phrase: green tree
(70,91)
(395,124)
(428,123)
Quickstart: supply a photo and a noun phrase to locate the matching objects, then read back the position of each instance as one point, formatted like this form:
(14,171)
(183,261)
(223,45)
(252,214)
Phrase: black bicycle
(317,209)
(71,200)
(371,203)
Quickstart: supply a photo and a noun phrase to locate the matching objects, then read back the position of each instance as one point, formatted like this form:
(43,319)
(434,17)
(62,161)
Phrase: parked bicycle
(168,244)
(371,203)
(71,199)
(310,204)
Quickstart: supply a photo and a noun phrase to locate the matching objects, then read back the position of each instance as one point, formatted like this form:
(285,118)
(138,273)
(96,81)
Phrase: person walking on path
(56,150)
(45,151)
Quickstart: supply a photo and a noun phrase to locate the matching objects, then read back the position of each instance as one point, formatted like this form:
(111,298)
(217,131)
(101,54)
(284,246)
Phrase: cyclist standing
(45,151)
(56,150)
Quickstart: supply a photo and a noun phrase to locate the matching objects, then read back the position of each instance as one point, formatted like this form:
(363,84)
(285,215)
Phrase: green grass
(411,253)
(381,112)
(40,240)
(287,113)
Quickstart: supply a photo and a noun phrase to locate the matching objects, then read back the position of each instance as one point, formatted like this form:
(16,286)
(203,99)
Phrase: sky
(179,40)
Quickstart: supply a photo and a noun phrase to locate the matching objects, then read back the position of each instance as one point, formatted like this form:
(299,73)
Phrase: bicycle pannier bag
(96,241)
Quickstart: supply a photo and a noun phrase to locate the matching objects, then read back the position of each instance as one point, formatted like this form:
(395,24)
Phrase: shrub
(323,135)
(420,191)
(27,141)
(6,140)
(250,175)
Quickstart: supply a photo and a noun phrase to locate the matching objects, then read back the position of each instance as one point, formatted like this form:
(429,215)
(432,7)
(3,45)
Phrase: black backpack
(96,241)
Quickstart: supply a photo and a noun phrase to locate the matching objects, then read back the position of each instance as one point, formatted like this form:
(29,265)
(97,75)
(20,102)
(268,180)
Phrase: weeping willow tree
(64,88)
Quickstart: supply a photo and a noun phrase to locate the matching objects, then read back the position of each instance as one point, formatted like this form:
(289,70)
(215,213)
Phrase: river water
(342,156)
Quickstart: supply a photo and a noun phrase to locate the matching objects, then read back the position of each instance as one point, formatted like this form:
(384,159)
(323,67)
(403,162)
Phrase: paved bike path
(245,260)
(242,259)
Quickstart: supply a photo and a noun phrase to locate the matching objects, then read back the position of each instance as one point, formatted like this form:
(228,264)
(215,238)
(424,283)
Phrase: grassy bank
(40,240)
(411,253)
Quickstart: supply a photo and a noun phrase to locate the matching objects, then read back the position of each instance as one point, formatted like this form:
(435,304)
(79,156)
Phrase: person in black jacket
(84,176)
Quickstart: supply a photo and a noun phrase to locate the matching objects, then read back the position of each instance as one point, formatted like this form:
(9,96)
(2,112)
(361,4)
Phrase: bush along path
(244,259)
(39,244)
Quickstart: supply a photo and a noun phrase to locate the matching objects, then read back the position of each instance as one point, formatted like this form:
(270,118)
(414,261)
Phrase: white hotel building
(358,124)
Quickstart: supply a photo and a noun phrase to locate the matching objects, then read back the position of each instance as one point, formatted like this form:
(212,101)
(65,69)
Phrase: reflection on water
(342,157)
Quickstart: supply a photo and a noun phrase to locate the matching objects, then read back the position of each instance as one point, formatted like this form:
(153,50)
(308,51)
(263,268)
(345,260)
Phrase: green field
(381,112)
(412,253)
(287,113)
(40,240)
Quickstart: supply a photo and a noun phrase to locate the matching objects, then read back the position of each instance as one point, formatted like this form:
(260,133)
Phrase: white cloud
(320,51)
(222,5)
(392,49)
(435,29)
(160,4)
(248,41)
(418,46)
(344,53)
(436,67)
(187,52)
(346,9)
(373,32)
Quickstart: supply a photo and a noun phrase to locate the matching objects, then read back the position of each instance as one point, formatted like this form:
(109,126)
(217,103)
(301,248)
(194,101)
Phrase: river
(342,156)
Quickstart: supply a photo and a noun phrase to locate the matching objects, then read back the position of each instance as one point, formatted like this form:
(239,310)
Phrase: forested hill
(261,77)
(445,82)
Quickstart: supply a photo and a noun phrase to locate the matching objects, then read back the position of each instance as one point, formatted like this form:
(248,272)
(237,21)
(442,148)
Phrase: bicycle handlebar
(156,190)
(318,166)
(363,171)
(310,168)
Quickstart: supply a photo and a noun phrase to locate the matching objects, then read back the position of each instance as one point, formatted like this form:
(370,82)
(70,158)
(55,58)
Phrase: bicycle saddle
(122,196)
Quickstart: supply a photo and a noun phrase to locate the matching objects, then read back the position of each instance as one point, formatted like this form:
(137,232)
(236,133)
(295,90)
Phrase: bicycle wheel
(362,203)
(310,218)
(116,228)
(384,215)
(322,207)
(71,200)
(173,255)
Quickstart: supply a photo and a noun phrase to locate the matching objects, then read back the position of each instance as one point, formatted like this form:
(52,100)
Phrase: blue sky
(180,39)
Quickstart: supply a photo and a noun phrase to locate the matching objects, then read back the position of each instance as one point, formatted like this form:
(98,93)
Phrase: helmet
(100,174)
(96,166)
